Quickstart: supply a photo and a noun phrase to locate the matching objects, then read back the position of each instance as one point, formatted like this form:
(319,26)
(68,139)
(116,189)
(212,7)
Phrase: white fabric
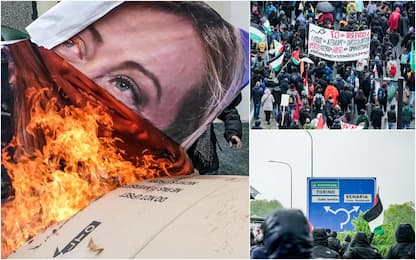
(66,19)
(376,222)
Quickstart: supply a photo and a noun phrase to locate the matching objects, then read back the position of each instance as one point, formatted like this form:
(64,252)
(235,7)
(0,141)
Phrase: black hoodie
(286,234)
(320,245)
(360,248)
(405,246)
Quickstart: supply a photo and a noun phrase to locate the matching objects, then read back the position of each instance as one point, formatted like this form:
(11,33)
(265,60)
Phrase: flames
(77,163)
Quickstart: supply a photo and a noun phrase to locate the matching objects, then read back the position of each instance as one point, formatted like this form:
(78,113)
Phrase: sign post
(334,202)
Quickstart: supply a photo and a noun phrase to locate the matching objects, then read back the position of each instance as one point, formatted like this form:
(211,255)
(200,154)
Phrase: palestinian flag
(277,63)
(257,35)
(375,216)
(295,57)
(278,47)
(412,58)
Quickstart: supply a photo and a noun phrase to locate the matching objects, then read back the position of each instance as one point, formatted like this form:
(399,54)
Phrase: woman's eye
(128,86)
(72,49)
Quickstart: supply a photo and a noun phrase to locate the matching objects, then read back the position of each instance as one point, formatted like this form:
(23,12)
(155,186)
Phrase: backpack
(318,100)
(381,94)
(360,95)
(292,99)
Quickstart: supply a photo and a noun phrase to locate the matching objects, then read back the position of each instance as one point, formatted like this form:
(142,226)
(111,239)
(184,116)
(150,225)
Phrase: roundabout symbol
(348,212)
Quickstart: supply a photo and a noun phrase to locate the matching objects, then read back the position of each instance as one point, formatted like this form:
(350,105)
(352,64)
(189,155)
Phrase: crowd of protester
(326,94)
(286,233)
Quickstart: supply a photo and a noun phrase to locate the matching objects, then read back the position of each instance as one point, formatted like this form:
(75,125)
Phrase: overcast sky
(387,155)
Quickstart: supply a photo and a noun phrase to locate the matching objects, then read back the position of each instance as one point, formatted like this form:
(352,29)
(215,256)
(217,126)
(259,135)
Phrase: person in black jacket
(320,245)
(286,234)
(345,97)
(391,117)
(360,248)
(376,117)
(203,152)
(405,243)
(333,242)
(344,245)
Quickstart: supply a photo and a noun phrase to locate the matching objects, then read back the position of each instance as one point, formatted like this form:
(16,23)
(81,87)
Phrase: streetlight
(310,135)
(291,178)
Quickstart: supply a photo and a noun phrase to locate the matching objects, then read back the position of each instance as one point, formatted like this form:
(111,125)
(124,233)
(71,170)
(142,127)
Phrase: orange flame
(78,161)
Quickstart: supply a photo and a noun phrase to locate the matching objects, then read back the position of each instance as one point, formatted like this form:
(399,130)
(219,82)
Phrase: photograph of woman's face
(147,58)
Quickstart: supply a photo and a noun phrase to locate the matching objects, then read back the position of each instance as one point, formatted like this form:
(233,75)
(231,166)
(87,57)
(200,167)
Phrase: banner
(338,45)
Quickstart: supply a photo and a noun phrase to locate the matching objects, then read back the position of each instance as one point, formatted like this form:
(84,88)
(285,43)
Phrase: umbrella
(307,60)
(325,7)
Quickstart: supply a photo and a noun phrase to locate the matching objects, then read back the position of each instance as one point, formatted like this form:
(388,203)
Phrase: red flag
(321,122)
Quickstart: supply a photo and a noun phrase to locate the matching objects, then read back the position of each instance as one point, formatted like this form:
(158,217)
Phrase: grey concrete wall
(16,14)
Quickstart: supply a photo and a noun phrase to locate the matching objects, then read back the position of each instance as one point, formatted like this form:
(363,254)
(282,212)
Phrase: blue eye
(125,83)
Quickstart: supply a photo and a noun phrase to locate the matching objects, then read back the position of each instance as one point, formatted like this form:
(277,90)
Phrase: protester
(267,102)
(407,116)
(258,251)
(362,119)
(360,248)
(376,117)
(286,234)
(203,152)
(391,117)
(344,245)
(320,245)
(333,241)
(405,243)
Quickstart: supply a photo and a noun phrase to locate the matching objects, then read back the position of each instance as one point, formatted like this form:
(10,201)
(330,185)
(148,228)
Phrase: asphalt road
(232,161)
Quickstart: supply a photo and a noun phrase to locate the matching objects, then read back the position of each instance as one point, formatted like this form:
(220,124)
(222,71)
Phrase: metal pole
(291,180)
(310,135)
(400,103)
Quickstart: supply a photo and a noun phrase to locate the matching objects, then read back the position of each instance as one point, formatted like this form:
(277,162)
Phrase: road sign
(334,202)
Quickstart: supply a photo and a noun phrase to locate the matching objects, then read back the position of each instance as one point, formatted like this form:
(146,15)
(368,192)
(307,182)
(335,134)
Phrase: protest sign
(338,45)
(284,101)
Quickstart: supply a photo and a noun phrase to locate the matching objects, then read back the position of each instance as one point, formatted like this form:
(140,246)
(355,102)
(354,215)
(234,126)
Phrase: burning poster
(111,98)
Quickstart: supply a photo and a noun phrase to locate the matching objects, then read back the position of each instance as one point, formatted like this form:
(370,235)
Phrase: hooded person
(344,245)
(148,77)
(286,234)
(360,248)
(405,243)
(333,242)
(394,20)
(320,245)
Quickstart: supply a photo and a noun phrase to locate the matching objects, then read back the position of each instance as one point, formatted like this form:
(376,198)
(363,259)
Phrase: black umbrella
(325,7)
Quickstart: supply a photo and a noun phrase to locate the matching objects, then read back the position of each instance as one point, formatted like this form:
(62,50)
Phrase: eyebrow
(137,66)
(98,39)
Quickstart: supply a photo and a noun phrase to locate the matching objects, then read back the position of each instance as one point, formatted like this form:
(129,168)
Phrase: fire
(75,165)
